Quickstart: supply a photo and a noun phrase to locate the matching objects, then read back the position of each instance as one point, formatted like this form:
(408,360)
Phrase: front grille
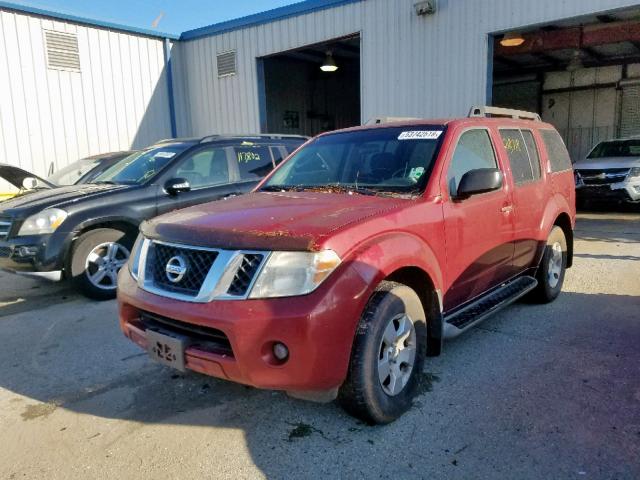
(245,274)
(5,227)
(603,176)
(198,263)
(203,338)
(5,252)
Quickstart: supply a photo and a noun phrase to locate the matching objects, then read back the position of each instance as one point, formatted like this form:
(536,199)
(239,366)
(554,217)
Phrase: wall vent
(62,51)
(226,64)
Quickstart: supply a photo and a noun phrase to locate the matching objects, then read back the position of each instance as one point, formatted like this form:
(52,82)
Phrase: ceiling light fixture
(512,39)
(576,62)
(329,64)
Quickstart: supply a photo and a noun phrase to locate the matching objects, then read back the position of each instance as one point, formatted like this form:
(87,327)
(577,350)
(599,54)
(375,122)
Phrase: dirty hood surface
(269,221)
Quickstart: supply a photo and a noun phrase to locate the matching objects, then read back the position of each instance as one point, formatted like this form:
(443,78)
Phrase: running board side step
(472,314)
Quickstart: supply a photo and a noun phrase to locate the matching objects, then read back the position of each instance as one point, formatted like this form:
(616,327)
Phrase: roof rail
(268,136)
(380,120)
(486,111)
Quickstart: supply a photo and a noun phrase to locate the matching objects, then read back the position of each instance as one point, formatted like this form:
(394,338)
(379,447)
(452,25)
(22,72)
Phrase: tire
(552,269)
(88,258)
(369,392)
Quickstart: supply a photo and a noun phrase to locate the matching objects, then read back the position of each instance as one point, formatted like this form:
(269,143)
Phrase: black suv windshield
(380,160)
(141,166)
(617,148)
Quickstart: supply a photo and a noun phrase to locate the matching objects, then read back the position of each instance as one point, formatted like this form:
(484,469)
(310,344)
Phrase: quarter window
(556,151)
(474,151)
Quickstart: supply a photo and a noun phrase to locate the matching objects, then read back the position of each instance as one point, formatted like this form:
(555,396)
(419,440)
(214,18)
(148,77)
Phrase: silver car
(610,172)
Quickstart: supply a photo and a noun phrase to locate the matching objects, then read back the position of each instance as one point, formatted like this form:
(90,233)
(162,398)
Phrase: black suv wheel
(96,258)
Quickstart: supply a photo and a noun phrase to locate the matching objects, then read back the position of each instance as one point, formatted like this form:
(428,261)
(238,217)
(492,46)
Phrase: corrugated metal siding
(411,66)
(118,100)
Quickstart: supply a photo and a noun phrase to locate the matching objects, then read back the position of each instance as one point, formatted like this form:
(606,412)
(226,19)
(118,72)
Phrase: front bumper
(36,255)
(628,191)
(318,330)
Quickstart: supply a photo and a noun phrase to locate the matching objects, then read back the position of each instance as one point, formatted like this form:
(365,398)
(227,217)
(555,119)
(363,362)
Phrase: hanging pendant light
(329,64)
(512,39)
(576,62)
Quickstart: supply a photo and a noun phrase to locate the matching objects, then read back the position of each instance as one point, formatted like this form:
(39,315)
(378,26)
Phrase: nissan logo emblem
(176,269)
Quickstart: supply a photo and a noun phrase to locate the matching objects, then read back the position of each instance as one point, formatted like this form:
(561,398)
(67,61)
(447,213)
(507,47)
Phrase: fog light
(280,351)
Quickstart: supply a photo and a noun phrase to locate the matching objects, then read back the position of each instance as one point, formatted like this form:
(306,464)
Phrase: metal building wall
(411,66)
(117,101)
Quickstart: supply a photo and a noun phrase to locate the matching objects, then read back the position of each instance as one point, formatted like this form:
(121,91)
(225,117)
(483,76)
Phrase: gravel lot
(535,392)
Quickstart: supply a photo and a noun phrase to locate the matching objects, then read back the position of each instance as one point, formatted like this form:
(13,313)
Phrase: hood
(268,221)
(606,163)
(55,197)
(15,176)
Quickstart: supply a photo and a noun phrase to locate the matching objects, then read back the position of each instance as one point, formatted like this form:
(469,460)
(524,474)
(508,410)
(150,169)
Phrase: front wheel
(552,268)
(96,259)
(388,356)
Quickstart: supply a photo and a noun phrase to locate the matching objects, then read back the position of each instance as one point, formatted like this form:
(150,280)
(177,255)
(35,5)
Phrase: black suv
(85,232)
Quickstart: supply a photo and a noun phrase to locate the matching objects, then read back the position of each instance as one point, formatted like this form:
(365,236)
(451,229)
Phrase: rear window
(556,150)
(523,155)
(616,148)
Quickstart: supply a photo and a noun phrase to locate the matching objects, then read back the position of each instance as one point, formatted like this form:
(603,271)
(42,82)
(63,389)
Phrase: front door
(478,229)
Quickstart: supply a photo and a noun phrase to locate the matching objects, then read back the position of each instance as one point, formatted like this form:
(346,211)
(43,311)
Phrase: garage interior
(583,76)
(301,98)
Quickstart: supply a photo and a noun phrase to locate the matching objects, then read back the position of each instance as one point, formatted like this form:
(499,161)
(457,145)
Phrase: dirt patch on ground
(31,412)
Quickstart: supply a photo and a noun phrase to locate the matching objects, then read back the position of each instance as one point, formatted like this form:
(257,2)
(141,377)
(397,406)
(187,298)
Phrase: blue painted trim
(489,93)
(169,73)
(262,96)
(281,13)
(83,20)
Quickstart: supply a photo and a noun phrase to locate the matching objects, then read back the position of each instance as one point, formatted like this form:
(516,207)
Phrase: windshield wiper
(105,182)
(277,188)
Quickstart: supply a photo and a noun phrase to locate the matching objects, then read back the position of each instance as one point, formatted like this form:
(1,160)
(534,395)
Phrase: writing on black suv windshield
(394,160)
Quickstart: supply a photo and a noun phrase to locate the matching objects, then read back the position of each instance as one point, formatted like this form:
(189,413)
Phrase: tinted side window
(254,162)
(557,152)
(205,168)
(534,155)
(474,150)
(518,157)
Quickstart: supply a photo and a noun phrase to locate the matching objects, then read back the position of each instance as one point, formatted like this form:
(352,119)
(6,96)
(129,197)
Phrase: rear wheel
(388,356)
(97,257)
(552,268)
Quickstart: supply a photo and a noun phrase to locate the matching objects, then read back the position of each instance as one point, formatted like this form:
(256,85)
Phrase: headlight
(47,221)
(634,172)
(294,273)
(134,258)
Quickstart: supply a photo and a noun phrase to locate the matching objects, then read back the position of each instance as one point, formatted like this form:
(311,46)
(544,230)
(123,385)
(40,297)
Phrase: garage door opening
(298,97)
(582,75)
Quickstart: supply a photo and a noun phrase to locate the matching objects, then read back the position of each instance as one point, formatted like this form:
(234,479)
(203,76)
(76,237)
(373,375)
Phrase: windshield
(617,148)
(72,173)
(140,167)
(384,160)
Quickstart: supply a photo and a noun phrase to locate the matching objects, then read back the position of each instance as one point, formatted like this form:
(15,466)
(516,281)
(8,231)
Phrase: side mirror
(477,181)
(177,185)
(29,183)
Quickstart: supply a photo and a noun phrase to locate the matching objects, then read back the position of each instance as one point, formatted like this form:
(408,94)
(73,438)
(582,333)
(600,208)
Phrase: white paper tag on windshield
(165,155)
(420,135)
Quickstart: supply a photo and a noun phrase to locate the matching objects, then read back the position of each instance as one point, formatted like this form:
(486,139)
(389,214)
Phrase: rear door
(478,229)
(529,193)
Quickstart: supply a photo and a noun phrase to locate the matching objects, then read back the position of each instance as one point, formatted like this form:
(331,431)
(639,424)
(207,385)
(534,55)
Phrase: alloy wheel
(397,354)
(103,264)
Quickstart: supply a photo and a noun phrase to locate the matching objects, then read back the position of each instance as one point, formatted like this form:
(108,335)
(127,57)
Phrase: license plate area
(167,348)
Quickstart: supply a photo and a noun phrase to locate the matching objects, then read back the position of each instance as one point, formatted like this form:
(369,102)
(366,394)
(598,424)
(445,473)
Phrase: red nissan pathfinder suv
(357,257)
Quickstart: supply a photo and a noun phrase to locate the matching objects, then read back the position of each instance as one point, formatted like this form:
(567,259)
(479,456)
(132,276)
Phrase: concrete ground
(535,392)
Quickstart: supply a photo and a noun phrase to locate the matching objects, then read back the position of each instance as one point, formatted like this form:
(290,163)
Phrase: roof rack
(380,120)
(486,111)
(268,136)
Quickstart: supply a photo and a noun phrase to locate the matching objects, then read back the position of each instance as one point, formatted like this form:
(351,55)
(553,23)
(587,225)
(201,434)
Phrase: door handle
(507,209)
